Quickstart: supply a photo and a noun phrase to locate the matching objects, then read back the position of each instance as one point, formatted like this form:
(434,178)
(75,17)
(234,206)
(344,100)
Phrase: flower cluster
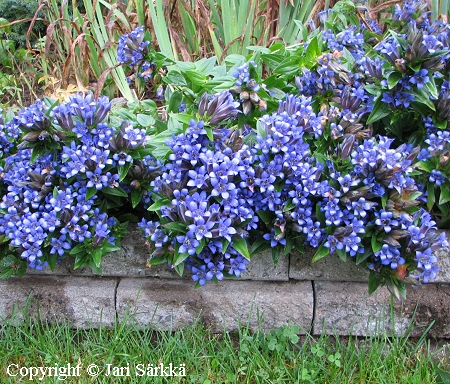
(134,51)
(132,48)
(246,89)
(204,215)
(63,201)
(351,157)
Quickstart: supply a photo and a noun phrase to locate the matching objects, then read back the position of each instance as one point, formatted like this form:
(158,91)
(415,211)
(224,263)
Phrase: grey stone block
(131,261)
(425,304)
(81,301)
(346,308)
(444,264)
(330,267)
(261,267)
(168,304)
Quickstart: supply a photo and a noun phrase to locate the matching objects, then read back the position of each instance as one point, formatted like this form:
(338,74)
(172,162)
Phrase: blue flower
(238,265)
(436,177)
(403,99)
(215,270)
(188,243)
(199,274)
(132,47)
(385,219)
(60,245)
(420,78)
(202,228)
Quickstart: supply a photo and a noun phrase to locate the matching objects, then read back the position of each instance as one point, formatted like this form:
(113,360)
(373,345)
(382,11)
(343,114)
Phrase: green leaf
(321,252)
(80,248)
(431,86)
(174,102)
(425,166)
(183,117)
(272,60)
(240,245)
(96,255)
(431,197)
(260,129)
(179,269)
(109,248)
(176,226)
(376,245)
(206,65)
(178,258)
(394,78)
(266,217)
(209,133)
(313,50)
(95,268)
(445,194)
(289,206)
(123,170)
(175,78)
(421,96)
(374,281)
(276,253)
(259,246)
(342,254)
(158,204)
(360,257)
(116,191)
(197,78)
(136,196)
(145,120)
(289,66)
(157,260)
(443,377)
(380,110)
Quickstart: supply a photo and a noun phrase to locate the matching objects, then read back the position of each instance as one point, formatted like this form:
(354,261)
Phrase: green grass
(279,356)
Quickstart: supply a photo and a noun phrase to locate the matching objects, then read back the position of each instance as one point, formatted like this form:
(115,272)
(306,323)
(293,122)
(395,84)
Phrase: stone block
(168,304)
(330,267)
(345,308)
(444,264)
(81,301)
(261,267)
(426,304)
(132,258)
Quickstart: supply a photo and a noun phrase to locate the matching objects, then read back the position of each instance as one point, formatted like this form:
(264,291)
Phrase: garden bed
(324,297)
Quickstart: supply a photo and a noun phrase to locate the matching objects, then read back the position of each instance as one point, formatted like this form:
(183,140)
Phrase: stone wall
(328,296)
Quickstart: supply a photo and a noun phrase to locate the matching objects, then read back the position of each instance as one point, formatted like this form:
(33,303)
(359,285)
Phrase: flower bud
(236,90)
(31,136)
(135,184)
(247,107)
(262,105)
(443,160)
(243,96)
(255,99)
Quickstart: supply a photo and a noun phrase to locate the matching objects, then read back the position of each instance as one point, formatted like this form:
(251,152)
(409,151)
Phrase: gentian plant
(339,143)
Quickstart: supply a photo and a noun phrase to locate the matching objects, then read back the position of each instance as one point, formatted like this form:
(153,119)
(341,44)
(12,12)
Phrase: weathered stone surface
(430,302)
(131,261)
(81,301)
(346,308)
(444,264)
(167,304)
(330,267)
(261,267)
